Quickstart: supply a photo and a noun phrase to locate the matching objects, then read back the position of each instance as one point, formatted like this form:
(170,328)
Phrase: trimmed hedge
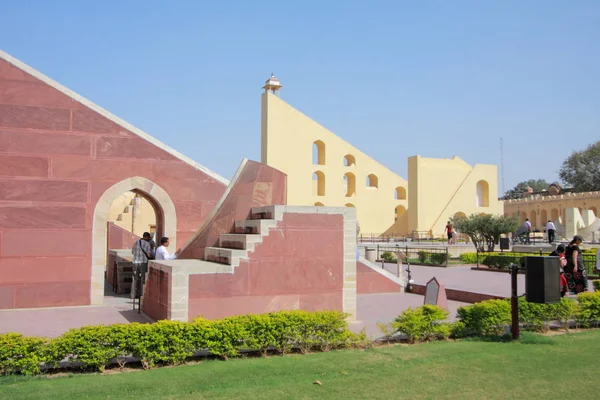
(493,317)
(172,342)
(502,260)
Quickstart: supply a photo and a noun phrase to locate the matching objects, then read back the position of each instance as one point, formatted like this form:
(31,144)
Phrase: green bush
(588,312)
(422,323)
(20,354)
(422,255)
(596,284)
(486,318)
(439,258)
(388,256)
(537,317)
(172,342)
(468,258)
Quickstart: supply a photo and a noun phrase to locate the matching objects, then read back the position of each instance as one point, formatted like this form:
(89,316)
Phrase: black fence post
(514,301)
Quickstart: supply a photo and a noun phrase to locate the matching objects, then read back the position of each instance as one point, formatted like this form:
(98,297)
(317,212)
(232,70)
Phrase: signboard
(435,294)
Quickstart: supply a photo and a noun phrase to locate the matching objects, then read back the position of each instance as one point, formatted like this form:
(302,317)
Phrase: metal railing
(435,256)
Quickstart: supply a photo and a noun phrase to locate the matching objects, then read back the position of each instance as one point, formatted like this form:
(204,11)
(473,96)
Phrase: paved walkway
(371,308)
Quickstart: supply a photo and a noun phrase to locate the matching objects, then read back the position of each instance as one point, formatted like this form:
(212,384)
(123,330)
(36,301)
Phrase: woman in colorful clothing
(575,270)
(560,253)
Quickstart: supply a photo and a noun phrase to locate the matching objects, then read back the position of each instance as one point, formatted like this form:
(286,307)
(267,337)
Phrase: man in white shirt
(527,229)
(551,229)
(162,253)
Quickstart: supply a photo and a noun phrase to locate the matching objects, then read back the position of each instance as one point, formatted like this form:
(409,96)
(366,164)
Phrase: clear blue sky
(394,78)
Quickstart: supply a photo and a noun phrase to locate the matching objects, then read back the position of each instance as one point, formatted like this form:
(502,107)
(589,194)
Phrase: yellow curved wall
(441,188)
(287,145)
(121,213)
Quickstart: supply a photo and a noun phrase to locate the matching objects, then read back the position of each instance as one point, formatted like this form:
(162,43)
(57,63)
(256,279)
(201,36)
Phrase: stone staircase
(233,247)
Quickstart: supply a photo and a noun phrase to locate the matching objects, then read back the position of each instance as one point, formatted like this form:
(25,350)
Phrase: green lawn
(536,368)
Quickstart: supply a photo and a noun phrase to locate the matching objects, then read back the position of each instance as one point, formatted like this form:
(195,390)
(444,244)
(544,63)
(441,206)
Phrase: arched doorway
(166,224)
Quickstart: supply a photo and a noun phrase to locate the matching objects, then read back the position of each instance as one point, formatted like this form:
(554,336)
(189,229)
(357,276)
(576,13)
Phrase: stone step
(224,256)
(238,241)
(260,214)
(254,226)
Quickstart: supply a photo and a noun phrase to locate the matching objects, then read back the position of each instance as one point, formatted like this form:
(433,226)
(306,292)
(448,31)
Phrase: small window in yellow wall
(318,153)
(349,205)
(372,181)
(400,193)
(349,160)
(318,204)
(483,194)
(318,183)
(349,184)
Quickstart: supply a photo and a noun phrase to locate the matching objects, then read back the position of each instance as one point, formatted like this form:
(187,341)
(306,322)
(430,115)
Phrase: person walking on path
(551,229)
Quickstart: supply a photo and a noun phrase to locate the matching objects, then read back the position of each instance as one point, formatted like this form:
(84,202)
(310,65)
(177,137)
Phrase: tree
(517,192)
(485,229)
(581,170)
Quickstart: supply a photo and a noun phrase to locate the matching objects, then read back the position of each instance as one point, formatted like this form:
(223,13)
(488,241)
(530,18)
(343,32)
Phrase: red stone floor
(371,308)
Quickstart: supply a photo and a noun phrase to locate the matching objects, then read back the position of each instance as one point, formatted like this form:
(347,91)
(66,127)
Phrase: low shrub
(588,312)
(172,342)
(468,258)
(422,324)
(422,256)
(388,256)
(596,284)
(439,258)
(537,317)
(20,354)
(486,318)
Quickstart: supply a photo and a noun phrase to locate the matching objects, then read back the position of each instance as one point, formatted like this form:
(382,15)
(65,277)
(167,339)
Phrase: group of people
(144,250)
(573,277)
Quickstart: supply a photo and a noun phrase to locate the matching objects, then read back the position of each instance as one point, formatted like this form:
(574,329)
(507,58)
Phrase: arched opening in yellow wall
(318,153)
(523,216)
(349,160)
(533,219)
(595,210)
(372,181)
(350,184)
(400,193)
(318,183)
(554,214)
(398,211)
(319,204)
(459,215)
(349,205)
(483,194)
(543,217)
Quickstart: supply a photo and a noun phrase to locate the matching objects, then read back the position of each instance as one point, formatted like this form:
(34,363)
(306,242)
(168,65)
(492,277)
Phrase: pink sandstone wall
(57,158)
(156,294)
(257,185)
(299,265)
(369,281)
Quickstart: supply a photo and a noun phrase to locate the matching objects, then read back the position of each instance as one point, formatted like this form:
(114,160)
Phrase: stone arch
(398,211)
(554,214)
(319,204)
(165,213)
(460,214)
(349,160)
(372,181)
(350,184)
(533,219)
(595,210)
(483,194)
(543,217)
(318,152)
(318,183)
(349,205)
(523,216)
(400,193)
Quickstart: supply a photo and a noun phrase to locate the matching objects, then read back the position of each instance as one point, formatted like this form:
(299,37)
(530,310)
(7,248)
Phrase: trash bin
(370,254)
